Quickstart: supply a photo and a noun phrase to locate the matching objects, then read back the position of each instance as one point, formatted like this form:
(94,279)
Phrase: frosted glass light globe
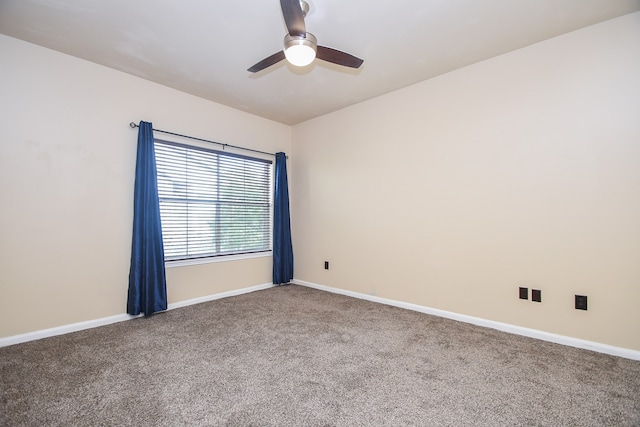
(300,51)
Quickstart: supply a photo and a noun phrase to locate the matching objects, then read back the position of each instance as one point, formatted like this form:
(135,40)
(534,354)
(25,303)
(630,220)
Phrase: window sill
(223,258)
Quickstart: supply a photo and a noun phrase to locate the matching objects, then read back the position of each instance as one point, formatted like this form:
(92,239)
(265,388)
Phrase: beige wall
(523,170)
(67,160)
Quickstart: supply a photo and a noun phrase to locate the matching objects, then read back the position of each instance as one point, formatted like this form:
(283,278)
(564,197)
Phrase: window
(212,203)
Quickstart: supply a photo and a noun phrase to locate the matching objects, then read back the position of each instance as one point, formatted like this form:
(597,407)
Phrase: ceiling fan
(301,47)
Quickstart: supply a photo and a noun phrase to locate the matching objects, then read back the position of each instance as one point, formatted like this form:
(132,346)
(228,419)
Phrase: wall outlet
(581,302)
(536,295)
(524,293)
(326,265)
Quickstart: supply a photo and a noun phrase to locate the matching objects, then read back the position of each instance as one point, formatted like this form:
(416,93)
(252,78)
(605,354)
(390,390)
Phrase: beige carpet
(294,356)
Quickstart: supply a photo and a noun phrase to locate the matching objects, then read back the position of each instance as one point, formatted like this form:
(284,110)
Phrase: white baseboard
(220,295)
(74,327)
(505,327)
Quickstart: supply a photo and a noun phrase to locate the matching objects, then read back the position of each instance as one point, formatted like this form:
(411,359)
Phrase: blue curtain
(147,283)
(282,248)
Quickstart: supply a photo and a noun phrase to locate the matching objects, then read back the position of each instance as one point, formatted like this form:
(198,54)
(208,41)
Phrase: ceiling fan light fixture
(300,50)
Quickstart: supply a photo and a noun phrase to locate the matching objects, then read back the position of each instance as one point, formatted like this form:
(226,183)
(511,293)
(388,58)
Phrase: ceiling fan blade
(338,57)
(293,17)
(267,62)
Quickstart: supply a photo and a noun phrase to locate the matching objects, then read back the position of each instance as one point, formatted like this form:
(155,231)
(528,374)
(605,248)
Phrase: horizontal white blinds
(212,203)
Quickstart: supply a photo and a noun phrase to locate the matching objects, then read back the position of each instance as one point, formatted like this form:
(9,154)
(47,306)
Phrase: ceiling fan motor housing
(305,8)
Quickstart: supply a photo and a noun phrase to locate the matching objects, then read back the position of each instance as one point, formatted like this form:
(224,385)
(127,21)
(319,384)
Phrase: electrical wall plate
(536,295)
(524,293)
(581,302)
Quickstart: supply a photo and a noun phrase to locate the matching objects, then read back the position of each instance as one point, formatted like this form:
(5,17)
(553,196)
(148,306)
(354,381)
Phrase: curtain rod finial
(133,125)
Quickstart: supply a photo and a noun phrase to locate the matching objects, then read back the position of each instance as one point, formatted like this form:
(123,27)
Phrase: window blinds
(212,203)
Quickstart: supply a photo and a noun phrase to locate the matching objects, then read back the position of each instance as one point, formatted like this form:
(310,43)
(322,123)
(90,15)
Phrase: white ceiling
(204,47)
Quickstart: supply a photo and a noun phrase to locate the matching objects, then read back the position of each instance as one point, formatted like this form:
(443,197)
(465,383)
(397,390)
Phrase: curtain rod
(133,126)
